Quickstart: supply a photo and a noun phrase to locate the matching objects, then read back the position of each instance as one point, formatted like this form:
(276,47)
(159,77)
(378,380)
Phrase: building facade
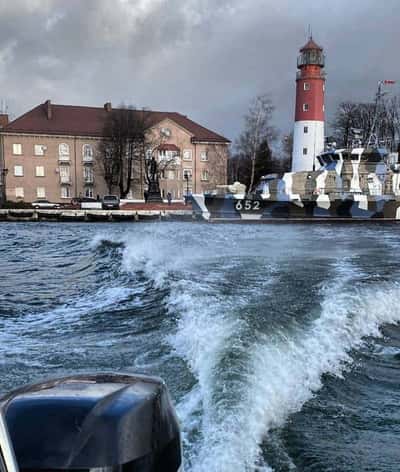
(308,136)
(52,152)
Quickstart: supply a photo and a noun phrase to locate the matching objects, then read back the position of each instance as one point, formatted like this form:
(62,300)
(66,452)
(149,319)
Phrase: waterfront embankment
(95,215)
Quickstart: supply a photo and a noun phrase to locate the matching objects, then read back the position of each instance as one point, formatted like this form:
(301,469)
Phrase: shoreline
(90,216)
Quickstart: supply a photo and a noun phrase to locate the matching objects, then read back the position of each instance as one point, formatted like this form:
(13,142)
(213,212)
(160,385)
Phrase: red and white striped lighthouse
(308,138)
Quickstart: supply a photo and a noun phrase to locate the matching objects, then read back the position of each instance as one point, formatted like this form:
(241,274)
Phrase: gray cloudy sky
(203,58)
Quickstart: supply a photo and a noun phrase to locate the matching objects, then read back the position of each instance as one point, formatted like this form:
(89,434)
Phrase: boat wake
(247,382)
(283,372)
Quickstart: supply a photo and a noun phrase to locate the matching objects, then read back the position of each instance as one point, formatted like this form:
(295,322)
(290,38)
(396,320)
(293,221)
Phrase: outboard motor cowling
(109,421)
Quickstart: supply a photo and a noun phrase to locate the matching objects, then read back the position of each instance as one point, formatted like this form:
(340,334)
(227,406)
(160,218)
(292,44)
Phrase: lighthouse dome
(311,45)
(311,54)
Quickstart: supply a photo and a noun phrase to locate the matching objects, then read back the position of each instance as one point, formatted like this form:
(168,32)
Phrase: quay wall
(61,215)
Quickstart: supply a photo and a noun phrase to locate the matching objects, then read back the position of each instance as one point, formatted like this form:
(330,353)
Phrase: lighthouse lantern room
(308,137)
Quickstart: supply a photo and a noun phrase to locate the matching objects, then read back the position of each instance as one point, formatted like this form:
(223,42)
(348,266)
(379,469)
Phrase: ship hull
(228,208)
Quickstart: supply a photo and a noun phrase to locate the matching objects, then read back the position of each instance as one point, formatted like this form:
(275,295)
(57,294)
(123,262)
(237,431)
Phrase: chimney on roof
(3,120)
(107,106)
(47,106)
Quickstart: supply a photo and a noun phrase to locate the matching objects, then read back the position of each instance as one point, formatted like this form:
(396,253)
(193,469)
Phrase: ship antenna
(376,110)
(378,102)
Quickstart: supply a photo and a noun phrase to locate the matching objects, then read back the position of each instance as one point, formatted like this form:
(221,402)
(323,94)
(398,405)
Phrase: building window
(305,107)
(39,149)
(63,149)
(41,192)
(19,192)
(307,86)
(204,156)
(166,132)
(39,171)
(89,192)
(305,151)
(187,155)
(187,172)
(87,151)
(64,174)
(305,129)
(17,149)
(171,174)
(88,175)
(65,192)
(204,174)
(18,171)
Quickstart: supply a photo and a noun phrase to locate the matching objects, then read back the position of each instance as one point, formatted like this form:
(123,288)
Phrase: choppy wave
(283,371)
(272,378)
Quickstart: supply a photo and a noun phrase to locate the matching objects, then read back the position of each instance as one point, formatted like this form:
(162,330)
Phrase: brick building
(52,152)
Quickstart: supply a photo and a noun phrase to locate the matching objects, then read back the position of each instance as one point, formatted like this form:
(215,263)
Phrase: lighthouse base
(308,142)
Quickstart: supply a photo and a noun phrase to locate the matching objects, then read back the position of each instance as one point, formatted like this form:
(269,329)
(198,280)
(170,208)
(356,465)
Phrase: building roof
(311,45)
(89,121)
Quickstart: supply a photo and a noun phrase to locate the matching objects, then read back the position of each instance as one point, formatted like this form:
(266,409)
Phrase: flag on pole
(389,82)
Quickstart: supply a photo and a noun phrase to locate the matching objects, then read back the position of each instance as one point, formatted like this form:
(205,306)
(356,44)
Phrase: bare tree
(155,144)
(286,153)
(123,143)
(346,119)
(392,112)
(258,131)
(363,119)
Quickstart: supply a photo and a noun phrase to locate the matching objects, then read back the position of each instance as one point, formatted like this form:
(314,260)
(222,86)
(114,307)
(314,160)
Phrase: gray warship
(358,183)
(361,182)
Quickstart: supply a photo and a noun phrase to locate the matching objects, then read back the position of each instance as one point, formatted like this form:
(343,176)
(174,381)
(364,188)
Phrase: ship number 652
(247,205)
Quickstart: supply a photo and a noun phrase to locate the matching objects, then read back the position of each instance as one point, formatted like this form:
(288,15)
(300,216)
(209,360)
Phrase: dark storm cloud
(205,58)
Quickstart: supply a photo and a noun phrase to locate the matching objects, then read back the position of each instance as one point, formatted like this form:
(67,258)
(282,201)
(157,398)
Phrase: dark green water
(280,344)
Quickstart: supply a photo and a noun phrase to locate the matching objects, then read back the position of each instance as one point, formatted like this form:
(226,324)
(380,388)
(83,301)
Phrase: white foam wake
(280,372)
(283,373)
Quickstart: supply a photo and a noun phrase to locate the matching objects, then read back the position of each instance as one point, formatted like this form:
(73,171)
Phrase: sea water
(280,344)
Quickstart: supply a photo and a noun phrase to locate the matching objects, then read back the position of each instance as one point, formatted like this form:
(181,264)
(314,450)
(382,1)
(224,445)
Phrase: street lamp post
(187,177)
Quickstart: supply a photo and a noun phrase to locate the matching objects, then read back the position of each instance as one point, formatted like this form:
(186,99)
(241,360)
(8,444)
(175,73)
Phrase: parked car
(78,200)
(86,203)
(44,204)
(110,202)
